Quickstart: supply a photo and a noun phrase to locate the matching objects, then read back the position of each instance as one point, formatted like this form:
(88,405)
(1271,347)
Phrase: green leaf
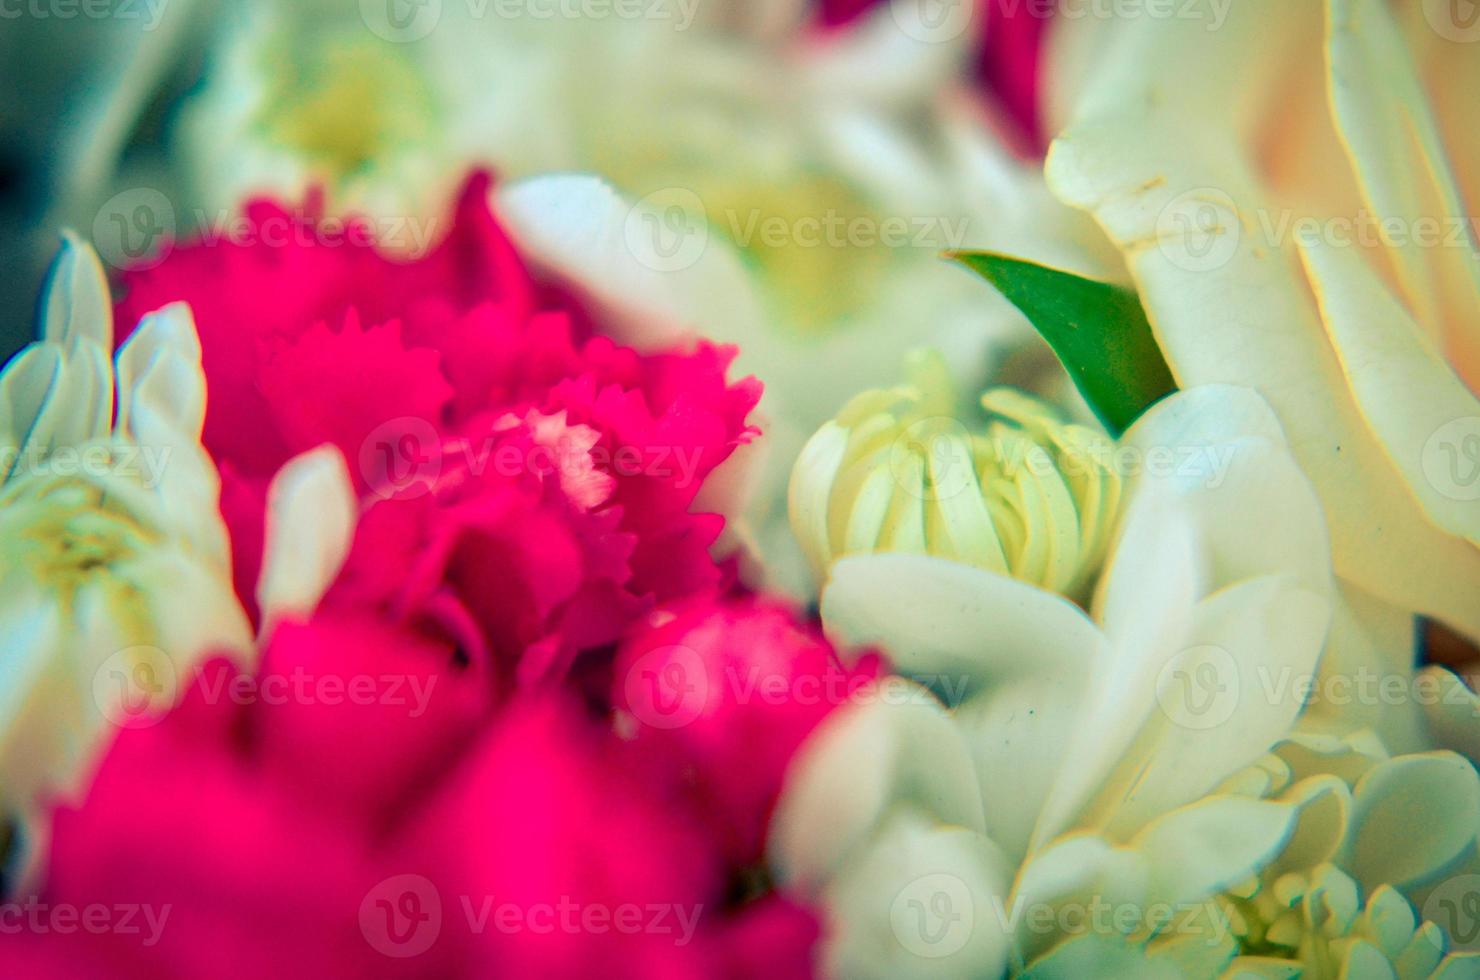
(1098,330)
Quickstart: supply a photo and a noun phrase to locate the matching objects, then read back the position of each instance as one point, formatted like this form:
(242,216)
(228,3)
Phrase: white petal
(578,230)
(1223,703)
(53,396)
(1201,849)
(1108,957)
(167,333)
(76,304)
(1148,597)
(947,620)
(27,383)
(311,515)
(861,762)
(1221,451)
(1412,816)
(924,900)
(1018,731)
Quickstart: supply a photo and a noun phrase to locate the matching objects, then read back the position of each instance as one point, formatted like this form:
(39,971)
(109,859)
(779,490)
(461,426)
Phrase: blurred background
(86,88)
(92,94)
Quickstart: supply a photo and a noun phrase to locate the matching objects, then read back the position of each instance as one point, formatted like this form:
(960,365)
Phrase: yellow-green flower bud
(1023,494)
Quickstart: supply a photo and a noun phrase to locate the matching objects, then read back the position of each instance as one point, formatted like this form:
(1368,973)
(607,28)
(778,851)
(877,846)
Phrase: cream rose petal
(1452,711)
(1252,323)
(1407,393)
(1394,147)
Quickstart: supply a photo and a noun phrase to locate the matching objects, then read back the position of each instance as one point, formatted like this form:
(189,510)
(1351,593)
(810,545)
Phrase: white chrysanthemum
(1080,760)
(113,557)
(114,562)
(1374,836)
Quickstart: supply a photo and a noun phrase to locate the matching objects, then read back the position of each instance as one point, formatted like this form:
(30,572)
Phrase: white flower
(1374,836)
(113,557)
(114,561)
(1081,759)
(1282,191)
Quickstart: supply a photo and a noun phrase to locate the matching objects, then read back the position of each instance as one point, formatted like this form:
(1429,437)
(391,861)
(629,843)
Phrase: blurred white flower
(114,561)
(112,554)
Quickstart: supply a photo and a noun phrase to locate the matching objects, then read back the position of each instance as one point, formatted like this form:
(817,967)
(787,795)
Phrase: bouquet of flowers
(690,488)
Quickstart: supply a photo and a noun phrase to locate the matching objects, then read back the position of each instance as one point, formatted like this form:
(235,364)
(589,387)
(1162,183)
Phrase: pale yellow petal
(1426,420)
(1232,310)
(1394,147)
(311,515)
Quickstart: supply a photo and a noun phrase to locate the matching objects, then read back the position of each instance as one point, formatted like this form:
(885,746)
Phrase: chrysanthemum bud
(1025,494)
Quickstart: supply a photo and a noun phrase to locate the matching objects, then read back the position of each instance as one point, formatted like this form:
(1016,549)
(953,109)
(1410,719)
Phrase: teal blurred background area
(86,88)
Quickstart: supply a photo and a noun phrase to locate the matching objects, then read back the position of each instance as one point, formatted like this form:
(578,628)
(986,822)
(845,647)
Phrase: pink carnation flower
(722,695)
(528,484)
(281,825)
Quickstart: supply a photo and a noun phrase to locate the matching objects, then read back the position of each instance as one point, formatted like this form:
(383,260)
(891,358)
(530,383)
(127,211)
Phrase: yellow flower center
(71,535)
(1025,495)
(350,103)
